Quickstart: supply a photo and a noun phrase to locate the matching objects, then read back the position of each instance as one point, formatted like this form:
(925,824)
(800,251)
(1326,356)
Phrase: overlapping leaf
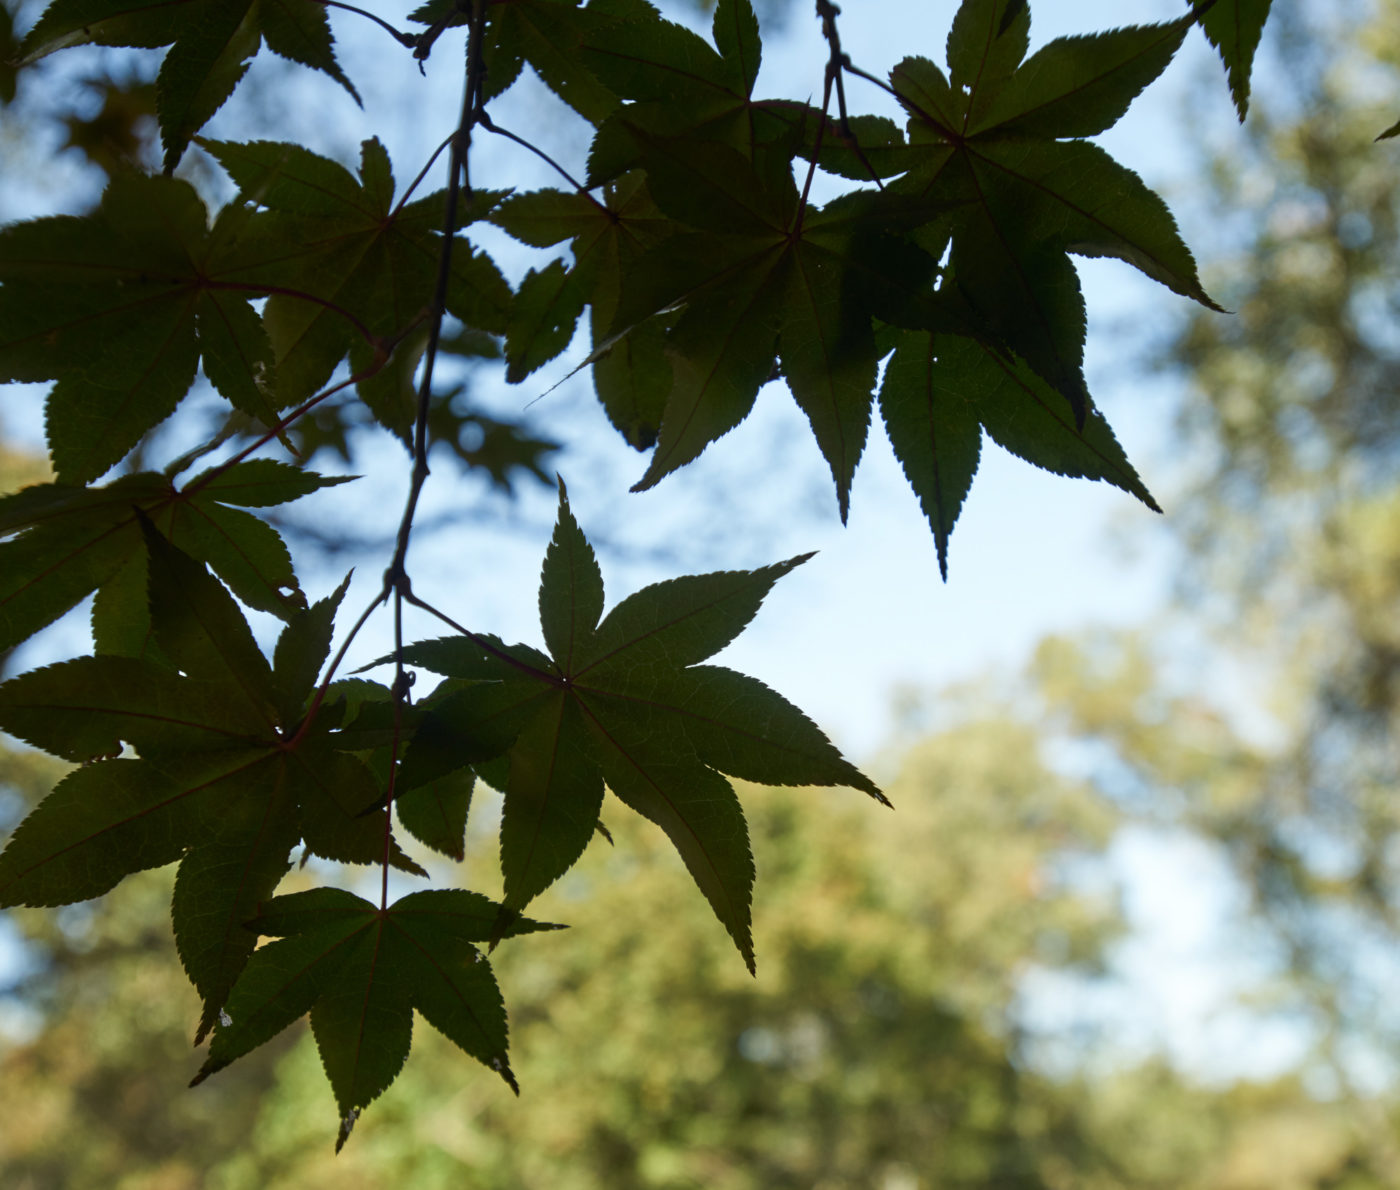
(727,280)
(69,541)
(118,307)
(988,146)
(361,971)
(350,273)
(622,699)
(940,392)
(224,776)
(757,289)
(210,43)
(607,237)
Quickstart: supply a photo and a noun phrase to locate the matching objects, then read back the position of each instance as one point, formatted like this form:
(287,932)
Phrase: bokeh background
(1135,921)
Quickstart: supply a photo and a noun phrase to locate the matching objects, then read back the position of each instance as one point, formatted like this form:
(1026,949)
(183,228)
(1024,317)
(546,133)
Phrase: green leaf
(678,622)
(112,306)
(986,44)
(301,31)
(551,803)
(258,483)
(301,651)
(699,812)
(571,588)
(101,823)
(735,724)
(352,272)
(121,614)
(466,726)
(1014,200)
(934,431)
(200,628)
(245,551)
(633,381)
(736,34)
(219,885)
(543,218)
(73,540)
(336,793)
(211,42)
(543,318)
(80,541)
(1020,412)
(622,702)
(360,972)
(1081,86)
(201,70)
(828,357)
(237,355)
(549,35)
(435,812)
(722,351)
(655,59)
(1234,27)
(88,707)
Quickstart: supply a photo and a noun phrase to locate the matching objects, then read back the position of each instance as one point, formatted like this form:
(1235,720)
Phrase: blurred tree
(1291,548)
(879,1048)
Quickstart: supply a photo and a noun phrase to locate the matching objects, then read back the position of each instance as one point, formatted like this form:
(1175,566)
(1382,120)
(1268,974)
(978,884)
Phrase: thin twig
(837,64)
(396,578)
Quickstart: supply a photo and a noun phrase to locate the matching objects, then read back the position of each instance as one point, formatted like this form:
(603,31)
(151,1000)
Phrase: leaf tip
(346,1127)
(501,1066)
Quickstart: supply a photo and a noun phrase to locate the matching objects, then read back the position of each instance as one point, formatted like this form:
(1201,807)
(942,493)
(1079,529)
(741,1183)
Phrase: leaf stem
(489,125)
(320,696)
(423,173)
(281,427)
(408,40)
(482,644)
(282,291)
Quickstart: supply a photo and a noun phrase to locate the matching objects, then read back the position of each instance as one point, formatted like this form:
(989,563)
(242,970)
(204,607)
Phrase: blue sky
(1032,552)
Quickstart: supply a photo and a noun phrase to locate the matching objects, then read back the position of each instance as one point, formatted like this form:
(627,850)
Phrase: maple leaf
(350,273)
(549,35)
(941,392)
(361,971)
(223,778)
(119,306)
(677,85)
(622,699)
(995,146)
(1234,27)
(68,541)
(607,235)
(211,42)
